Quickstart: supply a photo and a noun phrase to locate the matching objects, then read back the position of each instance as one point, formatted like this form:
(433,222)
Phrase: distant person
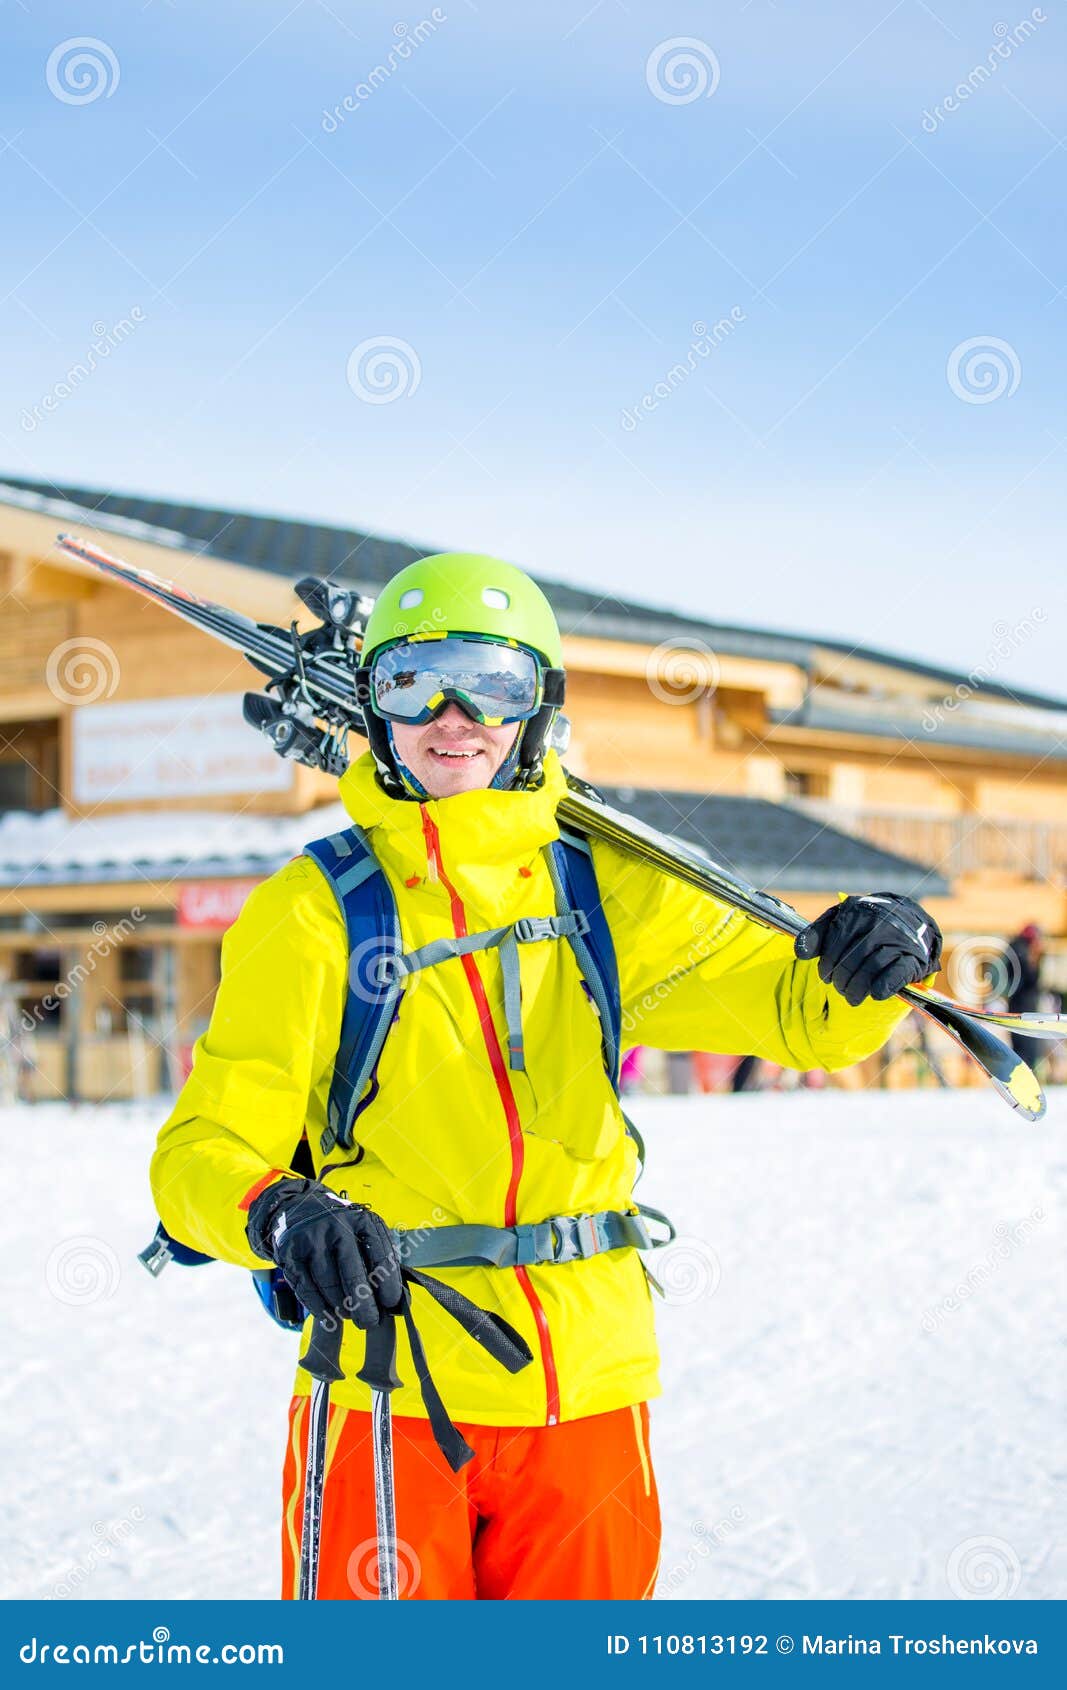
(1027,948)
(632,1071)
(745,1076)
(679,1073)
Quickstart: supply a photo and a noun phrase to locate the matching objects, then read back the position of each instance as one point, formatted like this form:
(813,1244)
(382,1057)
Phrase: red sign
(212,903)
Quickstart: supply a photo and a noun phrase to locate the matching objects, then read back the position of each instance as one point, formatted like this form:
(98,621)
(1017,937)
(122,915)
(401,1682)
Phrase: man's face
(453,754)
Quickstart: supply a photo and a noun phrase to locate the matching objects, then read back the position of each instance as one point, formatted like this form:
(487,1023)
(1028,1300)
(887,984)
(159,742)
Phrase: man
(1024,956)
(488,1106)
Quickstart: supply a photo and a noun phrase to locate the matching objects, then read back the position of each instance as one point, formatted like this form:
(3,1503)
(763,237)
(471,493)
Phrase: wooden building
(137,808)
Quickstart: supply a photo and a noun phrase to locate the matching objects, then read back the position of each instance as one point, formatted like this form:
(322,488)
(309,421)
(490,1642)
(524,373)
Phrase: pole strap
(496,1336)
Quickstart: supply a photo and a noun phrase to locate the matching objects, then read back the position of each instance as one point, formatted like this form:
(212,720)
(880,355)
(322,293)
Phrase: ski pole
(322,1361)
(379,1372)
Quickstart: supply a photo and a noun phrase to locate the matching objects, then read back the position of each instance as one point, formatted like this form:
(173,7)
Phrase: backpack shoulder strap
(570,864)
(372,925)
(595,954)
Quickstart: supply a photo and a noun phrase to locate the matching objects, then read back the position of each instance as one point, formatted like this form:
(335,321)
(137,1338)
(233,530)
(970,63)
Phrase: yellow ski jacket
(454,1136)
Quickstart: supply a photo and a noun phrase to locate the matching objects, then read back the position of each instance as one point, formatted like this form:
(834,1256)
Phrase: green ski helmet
(464,593)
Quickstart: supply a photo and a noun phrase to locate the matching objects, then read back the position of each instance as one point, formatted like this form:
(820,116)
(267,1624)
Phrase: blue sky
(512,204)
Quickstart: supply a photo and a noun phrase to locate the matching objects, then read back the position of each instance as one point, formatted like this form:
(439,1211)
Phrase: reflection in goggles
(493,683)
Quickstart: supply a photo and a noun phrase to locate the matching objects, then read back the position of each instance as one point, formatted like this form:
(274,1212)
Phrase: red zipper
(511,1112)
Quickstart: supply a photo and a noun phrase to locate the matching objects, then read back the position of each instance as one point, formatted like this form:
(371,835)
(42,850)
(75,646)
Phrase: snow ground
(830,1426)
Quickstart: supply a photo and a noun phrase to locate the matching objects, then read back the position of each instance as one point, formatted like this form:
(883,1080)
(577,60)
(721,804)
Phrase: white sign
(171,748)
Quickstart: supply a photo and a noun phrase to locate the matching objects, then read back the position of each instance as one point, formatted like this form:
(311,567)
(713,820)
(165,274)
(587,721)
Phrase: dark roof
(1042,744)
(768,845)
(286,546)
(776,847)
(765,844)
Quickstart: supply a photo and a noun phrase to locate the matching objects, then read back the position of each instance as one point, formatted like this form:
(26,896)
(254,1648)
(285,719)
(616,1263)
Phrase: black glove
(339,1257)
(870,947)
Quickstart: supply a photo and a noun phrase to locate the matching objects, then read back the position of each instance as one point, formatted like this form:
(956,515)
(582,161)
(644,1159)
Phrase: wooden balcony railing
(955,845)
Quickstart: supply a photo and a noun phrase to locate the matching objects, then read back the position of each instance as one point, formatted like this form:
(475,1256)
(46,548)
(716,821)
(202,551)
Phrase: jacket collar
(475,828)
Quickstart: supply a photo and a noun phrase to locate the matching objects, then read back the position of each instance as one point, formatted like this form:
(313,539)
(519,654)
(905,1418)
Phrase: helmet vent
(411,598)
(495,598)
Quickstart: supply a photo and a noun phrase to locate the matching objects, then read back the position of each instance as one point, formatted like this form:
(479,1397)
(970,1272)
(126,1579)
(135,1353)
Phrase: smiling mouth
(453,756)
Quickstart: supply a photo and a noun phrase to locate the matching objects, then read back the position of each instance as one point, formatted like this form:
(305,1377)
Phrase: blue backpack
(378,967)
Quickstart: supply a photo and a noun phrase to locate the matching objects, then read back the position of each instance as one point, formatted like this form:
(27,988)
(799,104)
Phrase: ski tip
(1023,1092)
(74,547)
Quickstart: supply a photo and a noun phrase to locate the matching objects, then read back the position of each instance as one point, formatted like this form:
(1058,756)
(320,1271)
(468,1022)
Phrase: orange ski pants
(565,1511)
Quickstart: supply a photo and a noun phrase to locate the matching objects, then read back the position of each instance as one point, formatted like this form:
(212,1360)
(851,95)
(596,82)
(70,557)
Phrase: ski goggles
(492,681)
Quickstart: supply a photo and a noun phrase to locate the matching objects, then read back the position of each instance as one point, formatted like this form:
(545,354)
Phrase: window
(14,786)
(806,783)
(29,766)
(35,978)
(135,964)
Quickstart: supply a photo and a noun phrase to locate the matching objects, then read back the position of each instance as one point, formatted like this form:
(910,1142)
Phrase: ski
(311,672)
(1012,1077)
(700,870)
(314,708)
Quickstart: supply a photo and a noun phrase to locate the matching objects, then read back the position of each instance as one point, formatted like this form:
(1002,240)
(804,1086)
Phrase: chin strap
(505,775)
(414,787)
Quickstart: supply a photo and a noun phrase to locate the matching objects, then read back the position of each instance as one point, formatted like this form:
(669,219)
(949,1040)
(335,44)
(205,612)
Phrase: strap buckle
(577,1237)
(155,1256)
(531,928)
(534,1242)
(388,969)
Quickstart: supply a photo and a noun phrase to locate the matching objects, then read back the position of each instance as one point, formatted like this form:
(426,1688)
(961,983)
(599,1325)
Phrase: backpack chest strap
(378,965)
(528,930)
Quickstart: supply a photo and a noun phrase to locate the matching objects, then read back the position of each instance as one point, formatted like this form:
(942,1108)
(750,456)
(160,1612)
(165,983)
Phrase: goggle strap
(554,686)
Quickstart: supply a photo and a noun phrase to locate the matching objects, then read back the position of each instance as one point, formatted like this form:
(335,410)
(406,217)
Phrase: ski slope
(863,1359)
